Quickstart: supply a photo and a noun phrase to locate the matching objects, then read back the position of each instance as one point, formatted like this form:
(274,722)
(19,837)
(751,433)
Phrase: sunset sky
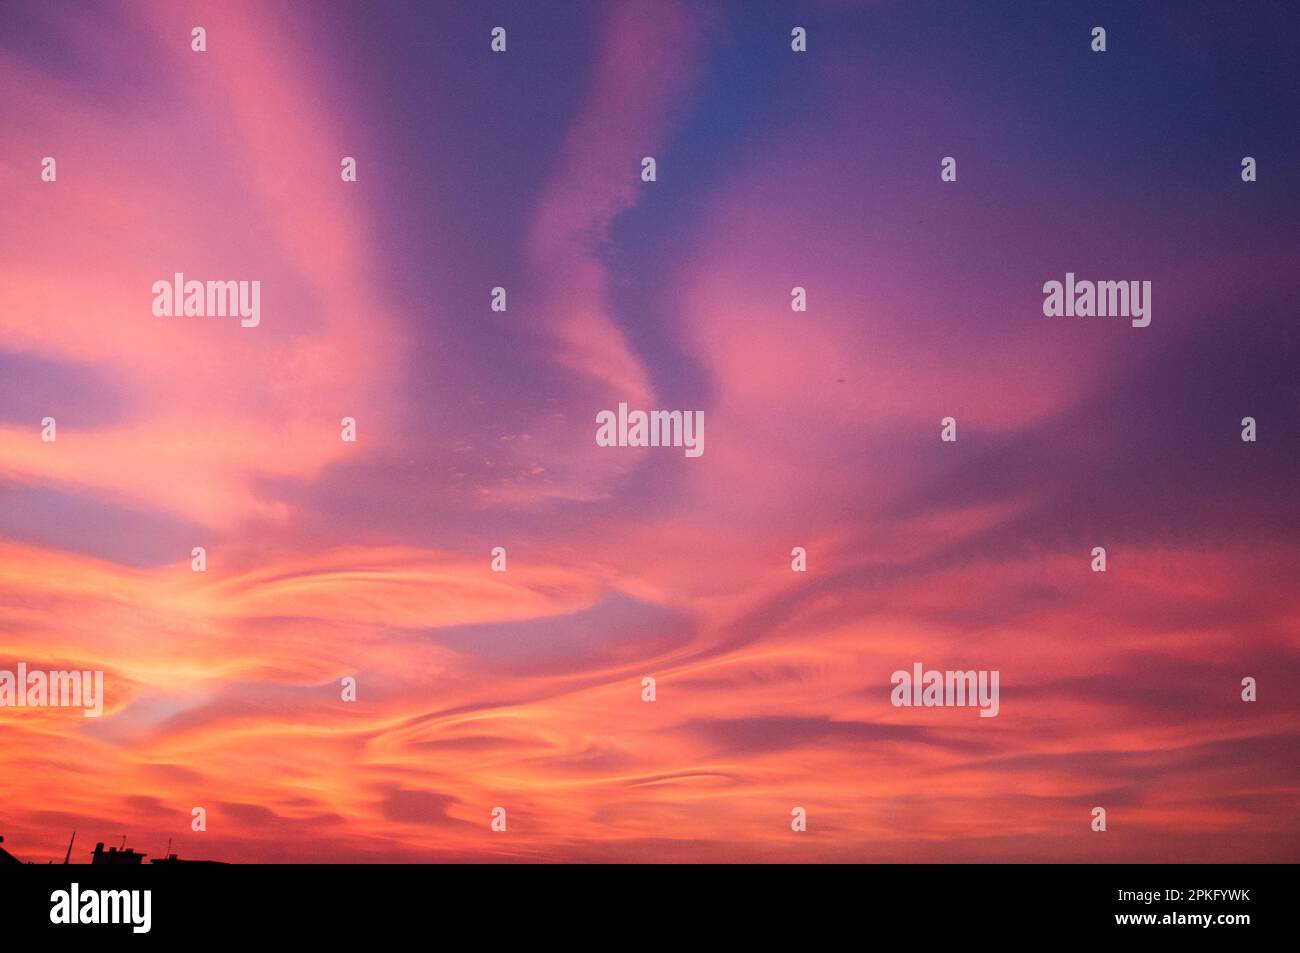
(475,429)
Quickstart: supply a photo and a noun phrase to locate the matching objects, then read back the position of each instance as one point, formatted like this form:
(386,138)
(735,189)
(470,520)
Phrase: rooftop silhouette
(124,856)
(6,857)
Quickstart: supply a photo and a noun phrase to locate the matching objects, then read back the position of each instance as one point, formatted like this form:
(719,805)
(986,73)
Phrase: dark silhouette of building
(125,857)
(6,857)
(173,859)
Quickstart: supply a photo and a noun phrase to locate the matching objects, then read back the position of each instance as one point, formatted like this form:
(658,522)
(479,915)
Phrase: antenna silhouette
(67,858)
